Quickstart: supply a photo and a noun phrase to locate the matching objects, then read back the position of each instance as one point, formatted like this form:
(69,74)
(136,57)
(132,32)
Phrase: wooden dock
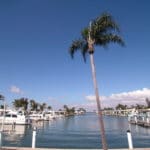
(29,148)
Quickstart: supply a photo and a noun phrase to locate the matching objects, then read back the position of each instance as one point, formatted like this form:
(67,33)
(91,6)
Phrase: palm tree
(2,97)
(21,103)
(25,103)
(49,107)
(33,105)
(44,106)
(121,107)
(102,31)
(17,103)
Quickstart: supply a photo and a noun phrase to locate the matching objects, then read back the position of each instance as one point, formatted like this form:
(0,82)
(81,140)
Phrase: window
(14,116)
(8,115)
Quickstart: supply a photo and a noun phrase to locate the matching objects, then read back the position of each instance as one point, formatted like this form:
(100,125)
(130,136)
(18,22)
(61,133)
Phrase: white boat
(59,114)
(45,115)
(14,117)
(50,115)
(35,116)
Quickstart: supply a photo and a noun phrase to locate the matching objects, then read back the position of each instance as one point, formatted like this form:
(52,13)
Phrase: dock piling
(34,138)
(130,143)
(0,139)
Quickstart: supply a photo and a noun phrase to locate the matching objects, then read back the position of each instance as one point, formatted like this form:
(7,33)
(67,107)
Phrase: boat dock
(28,148)
(141,120)
(139,117)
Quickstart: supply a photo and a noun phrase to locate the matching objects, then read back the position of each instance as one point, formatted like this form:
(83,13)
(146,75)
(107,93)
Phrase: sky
(35,36)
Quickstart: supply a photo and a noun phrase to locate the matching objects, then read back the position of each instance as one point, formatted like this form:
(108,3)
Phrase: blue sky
(34,39)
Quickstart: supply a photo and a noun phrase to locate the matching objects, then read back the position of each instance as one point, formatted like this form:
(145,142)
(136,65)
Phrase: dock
(29,148)
(139,117)
(140,120)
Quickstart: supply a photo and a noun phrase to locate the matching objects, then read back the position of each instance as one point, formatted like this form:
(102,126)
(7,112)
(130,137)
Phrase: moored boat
(14,117)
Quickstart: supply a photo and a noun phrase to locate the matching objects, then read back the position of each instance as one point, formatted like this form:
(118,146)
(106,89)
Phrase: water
(78,132)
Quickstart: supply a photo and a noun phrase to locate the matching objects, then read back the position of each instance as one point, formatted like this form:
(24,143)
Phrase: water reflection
(13,133)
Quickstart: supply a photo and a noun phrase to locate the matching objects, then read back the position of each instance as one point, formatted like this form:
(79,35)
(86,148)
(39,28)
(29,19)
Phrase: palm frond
(101,25)
(81,45)
(84,51)
(104,23)
(103,40)
(85,33)
(103,31)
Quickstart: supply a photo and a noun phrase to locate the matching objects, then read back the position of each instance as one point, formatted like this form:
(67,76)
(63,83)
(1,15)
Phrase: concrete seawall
(29,148)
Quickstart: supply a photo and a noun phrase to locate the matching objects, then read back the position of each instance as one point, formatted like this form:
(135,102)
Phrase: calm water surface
(78,132)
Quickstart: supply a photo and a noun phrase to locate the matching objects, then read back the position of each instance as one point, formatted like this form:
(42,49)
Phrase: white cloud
(129,98)
(15,89)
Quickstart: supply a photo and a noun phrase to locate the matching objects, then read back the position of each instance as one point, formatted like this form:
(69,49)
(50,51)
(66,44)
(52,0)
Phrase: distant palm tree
(42,106)
(17,103)
(2,97)
(33,105)
(49,107)
(102,31)
(21,103)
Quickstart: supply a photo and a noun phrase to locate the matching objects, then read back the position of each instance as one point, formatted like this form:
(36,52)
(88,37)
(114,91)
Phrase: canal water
(77,132)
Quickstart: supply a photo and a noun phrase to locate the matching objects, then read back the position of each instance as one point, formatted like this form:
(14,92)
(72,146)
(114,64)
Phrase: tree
(17,103)
(81,110)
(1,106)
(121,107)
(2,97)
(72,111)
(147,102)
(33,105)
(69,111)
(21,103)
(139,106)
(25,103)
(42,106)
(102,31)
(66,109)
(49,107)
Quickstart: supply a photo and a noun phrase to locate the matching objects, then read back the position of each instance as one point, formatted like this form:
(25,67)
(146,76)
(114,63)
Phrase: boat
(59,114)
(45,115)
(50,114)
(37,116)
(14,117)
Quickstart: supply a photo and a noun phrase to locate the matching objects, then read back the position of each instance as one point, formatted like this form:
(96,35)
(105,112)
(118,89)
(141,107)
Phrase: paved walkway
(27,148)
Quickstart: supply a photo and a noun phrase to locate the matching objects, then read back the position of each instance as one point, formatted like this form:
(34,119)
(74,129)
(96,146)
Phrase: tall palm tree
(102,31)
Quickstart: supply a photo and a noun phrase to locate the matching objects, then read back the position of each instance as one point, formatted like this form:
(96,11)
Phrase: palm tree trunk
(100,116)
